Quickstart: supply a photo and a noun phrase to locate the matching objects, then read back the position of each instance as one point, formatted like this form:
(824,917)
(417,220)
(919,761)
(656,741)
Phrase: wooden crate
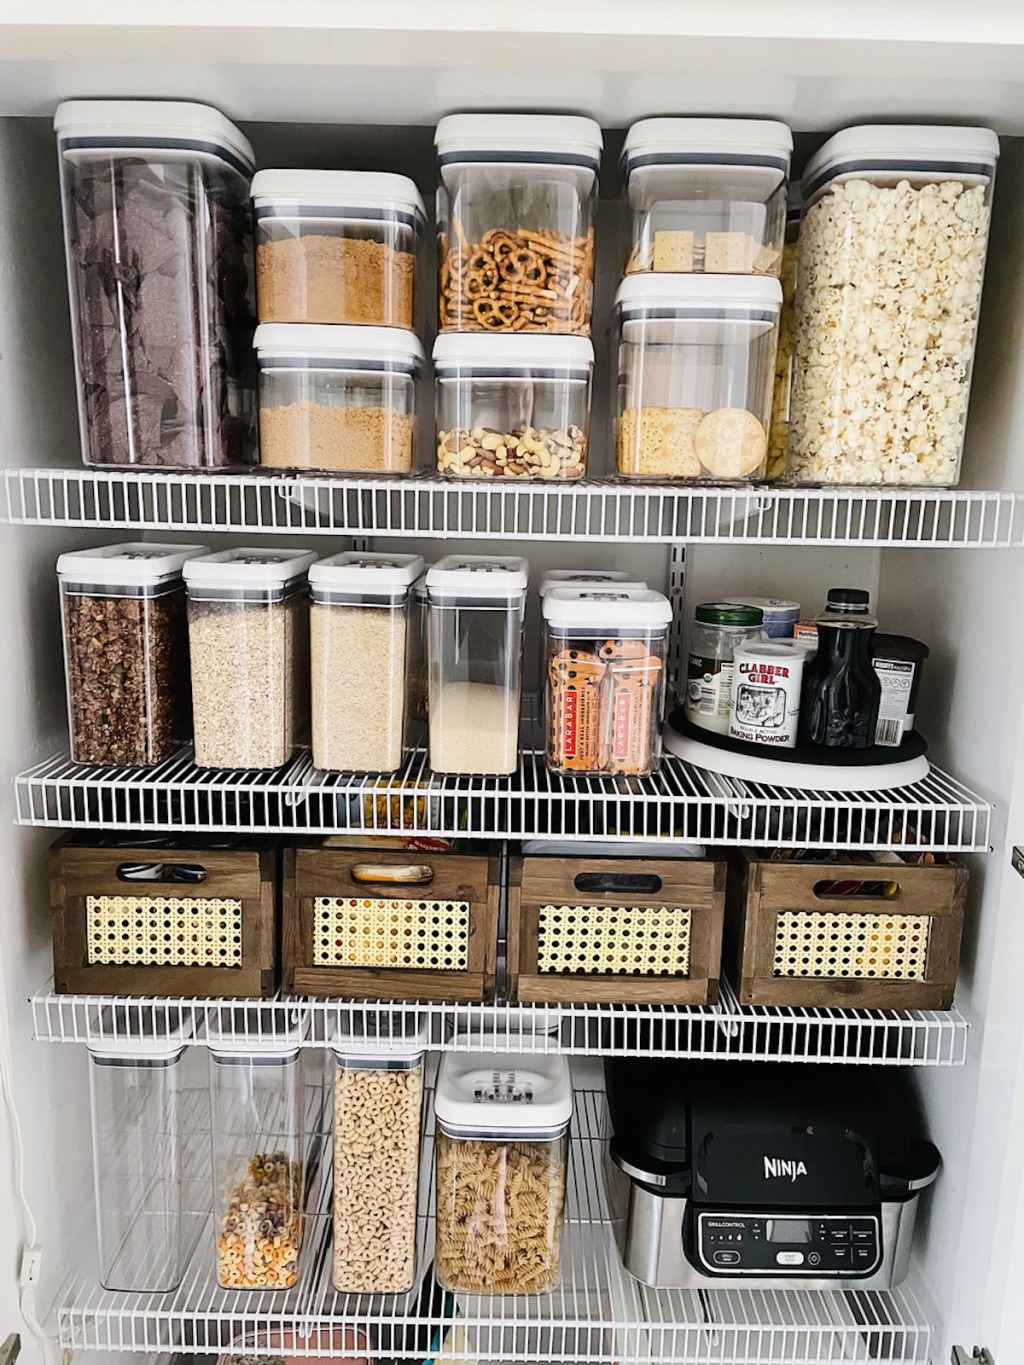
(615,929)
(392,936)
(791,944)
(113,935)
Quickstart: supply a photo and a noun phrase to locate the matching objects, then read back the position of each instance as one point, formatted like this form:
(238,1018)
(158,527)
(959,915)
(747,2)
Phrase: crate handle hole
(619,883)
(161,872)
(852,889)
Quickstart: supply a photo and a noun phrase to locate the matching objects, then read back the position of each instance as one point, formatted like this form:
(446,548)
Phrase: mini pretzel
(494,314)
(523,264)
(481,265)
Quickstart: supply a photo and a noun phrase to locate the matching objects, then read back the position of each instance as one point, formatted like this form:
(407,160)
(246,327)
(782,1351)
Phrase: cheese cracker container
(765,703)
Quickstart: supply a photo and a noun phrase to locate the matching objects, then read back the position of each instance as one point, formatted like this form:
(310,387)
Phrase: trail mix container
(515,211)
(338,399)
(126,651)
(159,249)
(718,628)
(512,406)
(502,1146)
(695,356)
(337,247)
(248,629)
(707,194)
(891,260)
(378,1102)
(358,649)
(605,650)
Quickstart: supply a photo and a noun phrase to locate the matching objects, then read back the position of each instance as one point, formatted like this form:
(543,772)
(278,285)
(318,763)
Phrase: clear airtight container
(604,692)
(889,275)
(778,436)
(707,194)
(419,669)
(477,606)
(248,627)
(512,406)
(359,625)
(338,399)
(159,249)
(337,246)
(126,652)
(515,211)
(695,357)
(502,1148)
(378,1102)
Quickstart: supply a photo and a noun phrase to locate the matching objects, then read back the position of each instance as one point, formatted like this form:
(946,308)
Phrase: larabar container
(765,707)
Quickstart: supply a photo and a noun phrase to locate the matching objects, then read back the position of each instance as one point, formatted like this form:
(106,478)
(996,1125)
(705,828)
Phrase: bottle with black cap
(841,691)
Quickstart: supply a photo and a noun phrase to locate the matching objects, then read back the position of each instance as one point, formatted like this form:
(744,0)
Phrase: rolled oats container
(695,357)
(889,276)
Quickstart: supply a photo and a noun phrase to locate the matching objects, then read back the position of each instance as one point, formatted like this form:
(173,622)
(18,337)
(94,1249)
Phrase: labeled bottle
(841,690)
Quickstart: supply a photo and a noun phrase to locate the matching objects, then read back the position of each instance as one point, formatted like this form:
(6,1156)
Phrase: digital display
(789,1230)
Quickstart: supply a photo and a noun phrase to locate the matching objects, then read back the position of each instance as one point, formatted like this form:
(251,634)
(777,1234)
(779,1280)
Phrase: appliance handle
(634,1172)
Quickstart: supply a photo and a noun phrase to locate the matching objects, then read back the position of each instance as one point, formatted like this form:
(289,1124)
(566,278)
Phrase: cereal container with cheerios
(695,363)
(515,218)
(889,275)
(502,1149)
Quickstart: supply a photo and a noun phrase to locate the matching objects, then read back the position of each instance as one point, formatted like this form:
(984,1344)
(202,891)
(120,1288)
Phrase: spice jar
(126,652)
(695,358)
(358,640)
(502,1145)
(159,248)
(512,406)
(707,194)
(248,630)
(718,628)
(337,246)
(338,399)
(477,608)
(515,222)
(891,258)
(378,1101)
(605,650)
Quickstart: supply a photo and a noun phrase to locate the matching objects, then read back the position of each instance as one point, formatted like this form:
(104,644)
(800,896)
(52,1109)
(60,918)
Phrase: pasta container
(159,251)
(502,1148)
(515,212)
(889,275)
(695,365)
(337,247)
(707,194)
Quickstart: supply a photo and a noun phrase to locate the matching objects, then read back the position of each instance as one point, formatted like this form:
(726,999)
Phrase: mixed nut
(523,453)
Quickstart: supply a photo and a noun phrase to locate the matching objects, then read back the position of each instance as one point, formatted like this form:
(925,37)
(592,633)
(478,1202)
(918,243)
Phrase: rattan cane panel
(620,940)
(164,931)
(873,947)
(422,935)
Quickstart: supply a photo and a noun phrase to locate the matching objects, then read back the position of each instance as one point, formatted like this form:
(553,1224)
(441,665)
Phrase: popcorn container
(707,194)
(889,275)
(515,215)
(695,358)
(512,405)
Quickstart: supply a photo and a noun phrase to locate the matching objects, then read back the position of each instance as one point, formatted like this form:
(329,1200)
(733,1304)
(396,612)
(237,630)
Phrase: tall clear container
(248,627)
(419,667)
(889,275)
(159,250)
(515,214)
(359,643)
(477,610)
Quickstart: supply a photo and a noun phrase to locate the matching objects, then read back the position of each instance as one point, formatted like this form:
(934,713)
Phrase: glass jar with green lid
(718,628)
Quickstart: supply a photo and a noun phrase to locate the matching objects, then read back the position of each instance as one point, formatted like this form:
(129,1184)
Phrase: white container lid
(770,606)
(164,1034)
(484,576)
(512,1094)
(565,138)
(610,607)
(738,141)
(237,1031)
(665,293)
(152,125)
(512,351)
(963,152)
(338,189)
(391,347)
(380,1038)
(136,561)
(248,568)
(580,578)
(364,572)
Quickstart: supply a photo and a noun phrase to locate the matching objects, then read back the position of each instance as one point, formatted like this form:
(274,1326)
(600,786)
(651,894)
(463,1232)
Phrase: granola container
(338,399)
(159,253)
(707,194)
(502,1148)
(126,657)
(889,275)
(512,405)
(695,357)
(515,211)
(337,247)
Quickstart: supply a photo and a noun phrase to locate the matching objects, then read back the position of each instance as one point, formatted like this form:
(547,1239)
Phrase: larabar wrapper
(629,700)
(577,680)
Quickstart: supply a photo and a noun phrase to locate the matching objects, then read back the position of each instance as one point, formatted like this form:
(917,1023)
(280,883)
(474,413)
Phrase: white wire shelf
(728,1031)
(597,1314)
(590,510)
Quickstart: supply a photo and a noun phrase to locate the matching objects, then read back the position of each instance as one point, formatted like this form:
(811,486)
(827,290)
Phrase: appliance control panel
(769,1244)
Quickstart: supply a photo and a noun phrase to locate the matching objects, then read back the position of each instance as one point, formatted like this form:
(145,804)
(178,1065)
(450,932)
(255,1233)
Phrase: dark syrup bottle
(841,691)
